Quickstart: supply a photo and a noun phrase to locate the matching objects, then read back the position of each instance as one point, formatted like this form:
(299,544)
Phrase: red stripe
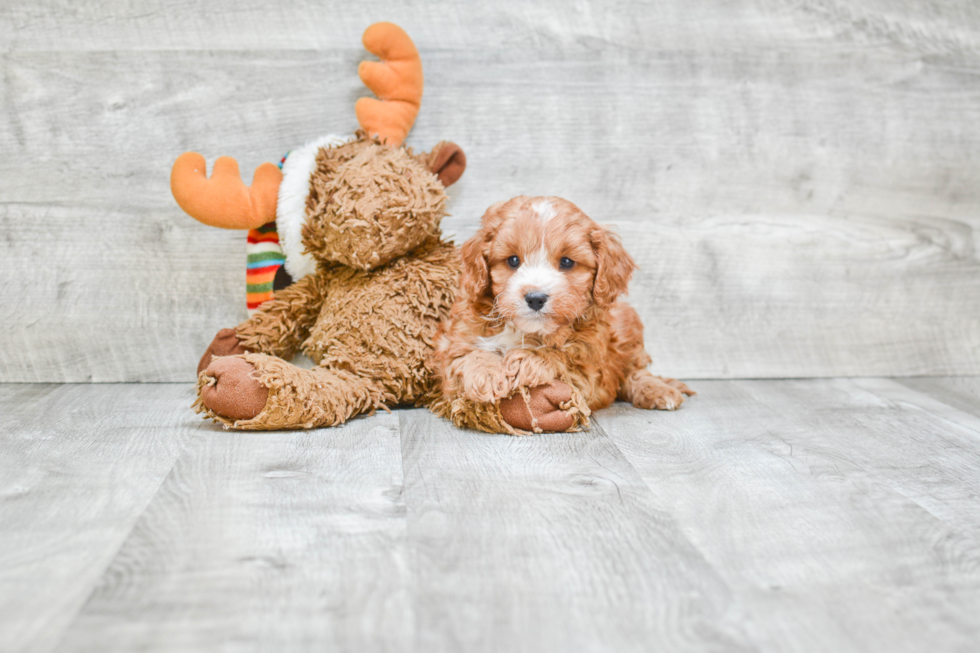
(264,238)
(262,270)
(258,302)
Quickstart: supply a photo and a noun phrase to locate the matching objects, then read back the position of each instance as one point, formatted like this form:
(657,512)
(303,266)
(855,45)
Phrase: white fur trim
(291,209)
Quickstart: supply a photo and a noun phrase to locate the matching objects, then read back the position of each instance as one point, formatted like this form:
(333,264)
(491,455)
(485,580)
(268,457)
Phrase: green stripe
(267,227)
(258,287)
(265,256)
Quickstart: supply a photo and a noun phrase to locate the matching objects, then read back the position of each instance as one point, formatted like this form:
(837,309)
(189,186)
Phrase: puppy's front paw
(526,369)
(680,385)
(659,394)
(542,408)
(485,384)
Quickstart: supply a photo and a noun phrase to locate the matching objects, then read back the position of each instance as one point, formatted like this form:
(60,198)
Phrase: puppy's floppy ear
(614,267)
(474,278)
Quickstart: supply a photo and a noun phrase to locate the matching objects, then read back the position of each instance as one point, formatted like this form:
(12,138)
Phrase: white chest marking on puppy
(503,342)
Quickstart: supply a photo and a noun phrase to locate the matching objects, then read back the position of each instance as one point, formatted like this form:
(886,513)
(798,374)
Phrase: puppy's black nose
(536,300)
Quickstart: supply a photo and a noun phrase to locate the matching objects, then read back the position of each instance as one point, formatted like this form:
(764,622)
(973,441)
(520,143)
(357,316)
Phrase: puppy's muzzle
(536,300)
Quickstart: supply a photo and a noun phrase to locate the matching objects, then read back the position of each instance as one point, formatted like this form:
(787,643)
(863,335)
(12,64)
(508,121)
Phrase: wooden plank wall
(797,179)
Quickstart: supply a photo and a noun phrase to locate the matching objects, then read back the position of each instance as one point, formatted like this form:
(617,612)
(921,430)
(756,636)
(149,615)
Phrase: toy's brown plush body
(369,332)
(376,278)
(369,328)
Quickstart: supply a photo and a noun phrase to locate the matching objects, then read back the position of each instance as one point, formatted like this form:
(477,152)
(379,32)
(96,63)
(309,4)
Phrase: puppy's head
(542,262)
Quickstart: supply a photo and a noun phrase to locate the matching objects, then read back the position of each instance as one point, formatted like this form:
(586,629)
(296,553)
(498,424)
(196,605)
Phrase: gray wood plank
(842,520)
(950,25)
(796,180)
(278,541)
(775,516)
(78,464)
(908,397)
(139,305)
(549,543)
(959,392)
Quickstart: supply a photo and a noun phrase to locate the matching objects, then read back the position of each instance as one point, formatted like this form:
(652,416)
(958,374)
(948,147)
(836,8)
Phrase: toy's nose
(536,300)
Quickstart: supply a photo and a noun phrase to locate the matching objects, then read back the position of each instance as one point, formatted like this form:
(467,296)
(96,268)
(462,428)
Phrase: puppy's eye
(513,261)
(566,263)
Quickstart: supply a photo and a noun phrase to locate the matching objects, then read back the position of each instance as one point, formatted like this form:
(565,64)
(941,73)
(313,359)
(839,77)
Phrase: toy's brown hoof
(232,390)
(543,404)
(226,343)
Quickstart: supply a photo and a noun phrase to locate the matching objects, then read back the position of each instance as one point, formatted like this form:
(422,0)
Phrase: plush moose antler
(225,201)
(396,80)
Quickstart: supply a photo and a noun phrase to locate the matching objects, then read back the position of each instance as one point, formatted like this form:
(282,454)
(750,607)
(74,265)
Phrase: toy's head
(360,202)
(369,203)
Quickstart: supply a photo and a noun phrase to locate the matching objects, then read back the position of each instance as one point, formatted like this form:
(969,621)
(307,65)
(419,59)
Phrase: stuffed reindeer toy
(357,219)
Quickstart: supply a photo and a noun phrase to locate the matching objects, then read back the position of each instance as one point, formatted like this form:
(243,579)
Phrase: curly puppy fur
(369,314)
(538,306)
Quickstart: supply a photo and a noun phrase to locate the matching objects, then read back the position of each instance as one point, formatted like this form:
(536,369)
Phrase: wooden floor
(820,515)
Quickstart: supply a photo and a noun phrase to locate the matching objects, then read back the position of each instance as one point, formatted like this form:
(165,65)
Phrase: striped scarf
(264,257)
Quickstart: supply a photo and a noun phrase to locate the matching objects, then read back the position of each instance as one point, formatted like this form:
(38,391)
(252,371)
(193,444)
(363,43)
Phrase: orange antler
(224,200)
(396,80)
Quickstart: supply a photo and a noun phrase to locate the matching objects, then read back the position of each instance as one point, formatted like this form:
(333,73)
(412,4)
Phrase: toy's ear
(448,162)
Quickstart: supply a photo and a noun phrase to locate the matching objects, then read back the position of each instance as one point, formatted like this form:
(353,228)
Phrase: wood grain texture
(264,541)
(950,25)
(796,179)
(549,543)
(842,516)
(959,392)
(771,516)
(948,405)
(78,465)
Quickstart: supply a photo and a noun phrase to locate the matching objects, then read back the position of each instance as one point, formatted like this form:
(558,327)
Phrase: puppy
(537,338)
